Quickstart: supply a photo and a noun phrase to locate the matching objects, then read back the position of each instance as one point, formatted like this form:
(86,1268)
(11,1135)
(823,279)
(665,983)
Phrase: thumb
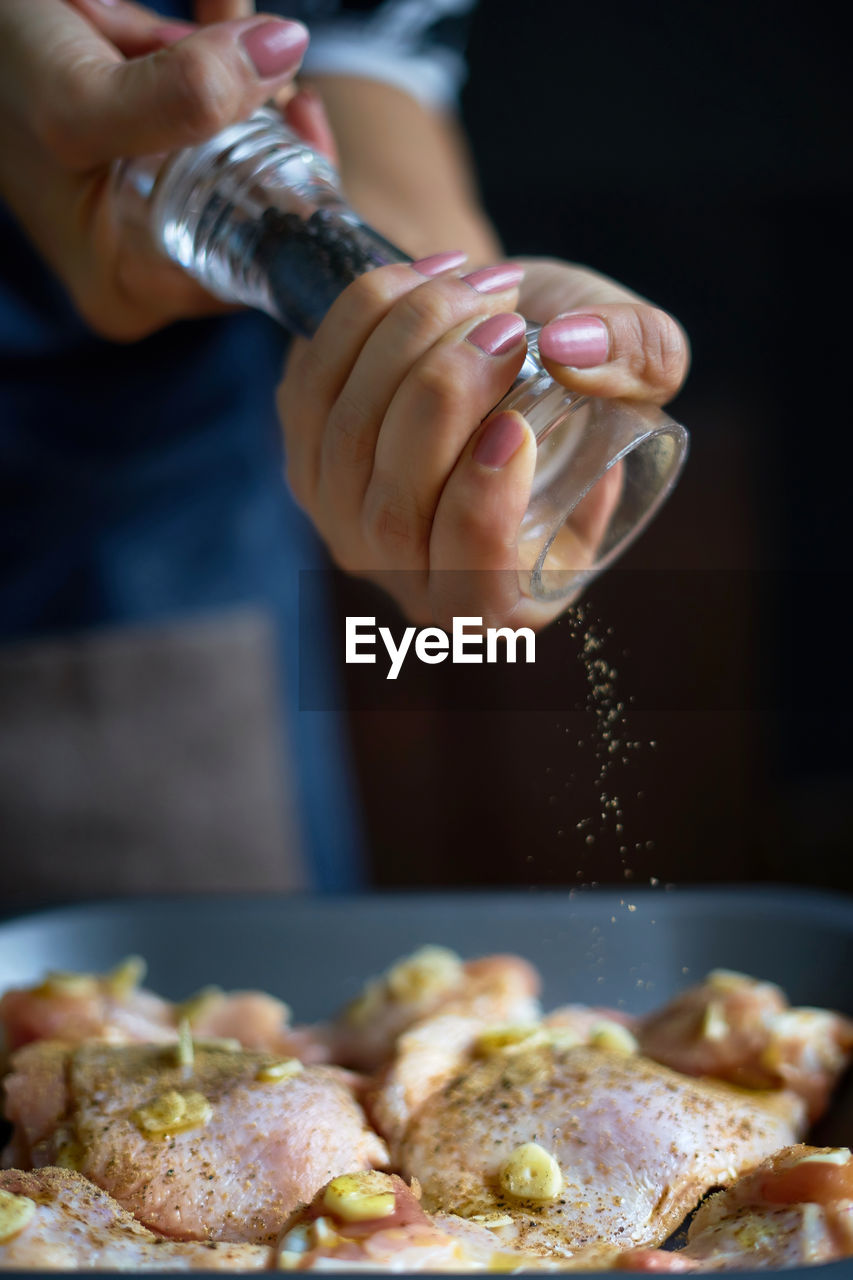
(627,349)
(181,94)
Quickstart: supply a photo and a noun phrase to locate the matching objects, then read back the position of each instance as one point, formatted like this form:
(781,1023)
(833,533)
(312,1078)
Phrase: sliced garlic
(728,979)
(15,1212)
(613,1036)
(498,1039)
(424,974)
(126,976)
(292,1248)
(839,1156)
(184,1049)
(173,1112)
(531,1173)
(276,1072)
(325,1236)
(358,1197)
(492,1220)
(715,1024)
(60,983)
(505,1262)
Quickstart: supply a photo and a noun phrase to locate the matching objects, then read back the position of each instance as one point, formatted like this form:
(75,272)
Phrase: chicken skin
(582,1146)
(739,1029)
(223,1146)
(55,1220)
(430,981)
(114,1007)
(794,1210)
(373,1221)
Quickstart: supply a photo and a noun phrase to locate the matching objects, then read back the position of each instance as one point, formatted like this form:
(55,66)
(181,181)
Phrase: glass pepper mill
(257,216)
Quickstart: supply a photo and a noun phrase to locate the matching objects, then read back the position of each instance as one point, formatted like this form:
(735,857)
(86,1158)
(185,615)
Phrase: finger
(306,115)
(428,424)
(103,106)
(626,349)
(403,337)
(134,29)
(473,548)
(316,371)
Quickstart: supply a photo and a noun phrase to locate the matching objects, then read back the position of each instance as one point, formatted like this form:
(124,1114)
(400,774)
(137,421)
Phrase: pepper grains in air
(609,738)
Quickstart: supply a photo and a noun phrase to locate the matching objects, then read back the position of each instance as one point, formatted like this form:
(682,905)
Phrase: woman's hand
(383,412)
(600,338)
(84,84)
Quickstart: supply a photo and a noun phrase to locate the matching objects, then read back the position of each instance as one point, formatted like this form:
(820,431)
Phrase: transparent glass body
(258,217)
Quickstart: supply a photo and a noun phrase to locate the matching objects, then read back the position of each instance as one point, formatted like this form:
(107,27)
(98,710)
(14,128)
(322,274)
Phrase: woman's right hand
(84,84)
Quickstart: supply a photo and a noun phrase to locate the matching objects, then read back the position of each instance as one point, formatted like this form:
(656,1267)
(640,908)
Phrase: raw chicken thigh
(56,1220)
(736,1028)
(114,1007)
(431,980)
(576,1140)
(223,1146)
(583,1146)
(373,1221)
(794,1210)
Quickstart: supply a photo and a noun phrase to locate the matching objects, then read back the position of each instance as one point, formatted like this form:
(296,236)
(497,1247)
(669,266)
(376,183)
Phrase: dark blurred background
(700,154)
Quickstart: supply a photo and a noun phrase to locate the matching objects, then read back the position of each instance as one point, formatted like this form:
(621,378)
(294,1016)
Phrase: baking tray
(630,948)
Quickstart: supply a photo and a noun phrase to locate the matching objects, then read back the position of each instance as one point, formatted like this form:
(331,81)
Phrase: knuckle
(392,526)
(384,284)
(480,540)
(662,349)
(54,119)
(428,310)
(436,389)
(202,95)
(349,442)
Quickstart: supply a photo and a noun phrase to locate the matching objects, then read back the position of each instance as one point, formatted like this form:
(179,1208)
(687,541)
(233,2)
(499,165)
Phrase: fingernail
(438,262)
(501,438)
(275,47)
(578,341)
(495,279)
(498,334)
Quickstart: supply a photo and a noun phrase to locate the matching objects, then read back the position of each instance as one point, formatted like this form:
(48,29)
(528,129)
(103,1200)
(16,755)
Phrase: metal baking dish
(631,948)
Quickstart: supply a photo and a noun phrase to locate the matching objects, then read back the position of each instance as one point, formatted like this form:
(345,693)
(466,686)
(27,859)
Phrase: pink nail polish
(581,342)
(275,47)
(501,438)
(495,279)
(498,334)
(438,262)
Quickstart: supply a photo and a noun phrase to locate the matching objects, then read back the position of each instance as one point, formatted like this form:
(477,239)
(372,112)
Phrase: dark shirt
(144,483)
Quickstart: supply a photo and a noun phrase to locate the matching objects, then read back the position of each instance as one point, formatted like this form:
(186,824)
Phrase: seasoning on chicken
(373,1221)
(55,1220)
(114,1007)
(583,1146)
(500,988)
(794,1210)
(221,1146)
(83,1006)
(737,1028)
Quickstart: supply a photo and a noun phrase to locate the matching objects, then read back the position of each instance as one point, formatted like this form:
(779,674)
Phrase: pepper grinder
(258,217)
